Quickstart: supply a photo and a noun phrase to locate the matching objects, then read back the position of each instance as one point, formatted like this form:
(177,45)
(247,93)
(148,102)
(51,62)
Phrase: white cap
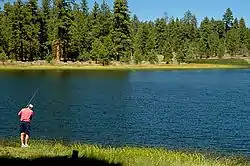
(30,106)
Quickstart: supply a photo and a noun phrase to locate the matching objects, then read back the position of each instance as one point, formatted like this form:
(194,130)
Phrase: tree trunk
(57,51)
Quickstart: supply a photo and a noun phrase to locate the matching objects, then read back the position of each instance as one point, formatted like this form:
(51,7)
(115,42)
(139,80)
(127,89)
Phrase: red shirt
(25,115)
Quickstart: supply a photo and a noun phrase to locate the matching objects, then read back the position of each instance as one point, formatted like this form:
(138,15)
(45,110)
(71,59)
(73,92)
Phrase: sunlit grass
(120,67)
(128,156)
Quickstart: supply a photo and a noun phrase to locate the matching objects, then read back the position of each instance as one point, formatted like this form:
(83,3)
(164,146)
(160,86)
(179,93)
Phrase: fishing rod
(33,96)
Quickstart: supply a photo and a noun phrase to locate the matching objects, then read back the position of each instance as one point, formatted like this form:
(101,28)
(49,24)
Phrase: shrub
(3,57)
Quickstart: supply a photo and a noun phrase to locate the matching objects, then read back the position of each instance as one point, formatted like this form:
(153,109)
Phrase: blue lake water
(182,110)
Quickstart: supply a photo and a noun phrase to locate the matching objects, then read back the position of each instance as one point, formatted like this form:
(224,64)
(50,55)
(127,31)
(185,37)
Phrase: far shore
(66,66)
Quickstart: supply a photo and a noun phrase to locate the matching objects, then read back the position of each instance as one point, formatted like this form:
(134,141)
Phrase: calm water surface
(183,110)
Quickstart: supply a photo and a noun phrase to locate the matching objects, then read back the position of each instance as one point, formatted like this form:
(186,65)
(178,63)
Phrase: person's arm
(31,116)
(20,113)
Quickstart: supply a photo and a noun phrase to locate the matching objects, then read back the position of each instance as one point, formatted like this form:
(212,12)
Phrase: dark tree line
(64,30)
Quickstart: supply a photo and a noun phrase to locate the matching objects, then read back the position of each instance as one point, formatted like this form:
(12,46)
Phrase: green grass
(241,62)
(127,156)
(192,66)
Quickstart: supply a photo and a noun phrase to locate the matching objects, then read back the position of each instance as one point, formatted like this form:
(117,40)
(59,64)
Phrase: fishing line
(33,96)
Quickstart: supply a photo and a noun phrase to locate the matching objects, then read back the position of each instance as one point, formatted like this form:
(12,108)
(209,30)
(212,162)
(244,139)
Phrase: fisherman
(26,115)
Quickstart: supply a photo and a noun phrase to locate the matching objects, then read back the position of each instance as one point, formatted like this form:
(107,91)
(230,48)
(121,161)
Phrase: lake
(204,110)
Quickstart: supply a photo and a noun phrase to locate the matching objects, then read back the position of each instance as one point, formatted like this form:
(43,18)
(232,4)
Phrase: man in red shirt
(26,115)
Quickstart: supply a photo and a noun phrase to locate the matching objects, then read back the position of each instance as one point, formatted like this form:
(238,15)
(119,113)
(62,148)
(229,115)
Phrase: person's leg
(22,139)
(22,132)
(27,137)
(27,132)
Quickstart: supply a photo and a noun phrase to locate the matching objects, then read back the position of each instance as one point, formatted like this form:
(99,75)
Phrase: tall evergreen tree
(235,24)
(95,18)
(243,37)
(84,7)
(6,29)
(105,19)
(121,31)
(141,39)
(218,26)
(189,27)
(32,30)
(233,42)
(44,17)
(134,29)
(228,19)
(151,43)
(160,27)
(204,44)
(60,25)
(18,21)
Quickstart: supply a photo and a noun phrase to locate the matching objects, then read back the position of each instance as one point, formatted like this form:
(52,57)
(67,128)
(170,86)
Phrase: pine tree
(95,18)
(105,19)
(134,25)
(167,52)
(44,17)
(243,37)
(84,8)
(121,31)
(235,24)
(81,39)
(18,20)
(213,42)
(134,29)
(32,30)
(220,52)
(218,26)
(99,52)
(6,29)
(204,44)
(228,19)
(110,49)
(60,29)
(141,39)
(172,36)
(160,27)
(151,43)
(232,42)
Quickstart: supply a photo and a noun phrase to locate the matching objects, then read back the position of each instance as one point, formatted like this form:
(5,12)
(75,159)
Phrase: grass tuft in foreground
(126,156)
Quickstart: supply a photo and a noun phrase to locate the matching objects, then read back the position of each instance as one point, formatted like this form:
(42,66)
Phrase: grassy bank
(122,67)
(126,156)
(229,61)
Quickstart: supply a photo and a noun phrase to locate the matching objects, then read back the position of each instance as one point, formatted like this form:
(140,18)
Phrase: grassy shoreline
(121,67)
(124,155)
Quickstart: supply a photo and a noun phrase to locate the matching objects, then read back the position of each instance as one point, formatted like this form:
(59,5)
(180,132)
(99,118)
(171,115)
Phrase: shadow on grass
(47,161)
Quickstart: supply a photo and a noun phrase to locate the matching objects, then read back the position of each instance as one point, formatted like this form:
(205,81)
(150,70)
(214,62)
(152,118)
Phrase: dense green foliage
(65,30)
